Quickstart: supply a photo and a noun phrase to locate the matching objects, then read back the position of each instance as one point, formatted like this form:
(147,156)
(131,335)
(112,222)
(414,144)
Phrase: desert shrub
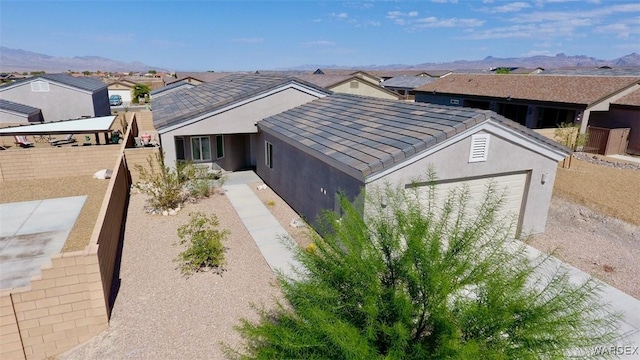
(204,244)
(417,280)
(163,185)
(569,135)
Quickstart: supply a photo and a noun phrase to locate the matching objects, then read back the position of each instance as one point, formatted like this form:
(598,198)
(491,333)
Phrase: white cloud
(512,7)
(445,1)
(433,22)
(248,40)
(317,43)
(340,15)
(537,53)
(168,43)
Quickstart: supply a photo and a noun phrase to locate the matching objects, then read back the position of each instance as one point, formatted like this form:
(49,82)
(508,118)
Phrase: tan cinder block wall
(145,121)
(63,307)
(68,303)
(54,162)
(548,133)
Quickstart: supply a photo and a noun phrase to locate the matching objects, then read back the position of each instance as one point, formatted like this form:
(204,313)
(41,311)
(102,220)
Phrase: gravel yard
(159,314)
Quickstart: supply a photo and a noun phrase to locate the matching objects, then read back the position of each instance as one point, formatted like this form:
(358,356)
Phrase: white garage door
(513,185)
(125,94)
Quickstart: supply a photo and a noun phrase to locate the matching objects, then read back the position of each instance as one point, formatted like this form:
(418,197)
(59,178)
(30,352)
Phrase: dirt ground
(607,190)
(27,190)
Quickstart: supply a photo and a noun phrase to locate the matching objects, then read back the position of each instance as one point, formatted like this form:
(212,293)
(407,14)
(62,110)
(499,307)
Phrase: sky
(273,35)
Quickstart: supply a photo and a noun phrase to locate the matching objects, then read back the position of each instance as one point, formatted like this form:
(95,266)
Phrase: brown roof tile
(632,99)
(584,90)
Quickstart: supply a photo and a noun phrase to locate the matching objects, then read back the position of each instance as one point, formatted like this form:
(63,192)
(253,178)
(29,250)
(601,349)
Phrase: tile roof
(365,135)
(407,82)
(185,104)
(17,107)
(203,76)
(325,81)
(632,99)
(595,72)
(583,90)
(85,83)
(173,85)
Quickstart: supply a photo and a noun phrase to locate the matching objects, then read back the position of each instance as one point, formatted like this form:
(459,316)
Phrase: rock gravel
(160,314)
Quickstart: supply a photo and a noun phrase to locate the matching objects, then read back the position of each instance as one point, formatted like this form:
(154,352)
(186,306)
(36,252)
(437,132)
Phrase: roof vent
(479,148)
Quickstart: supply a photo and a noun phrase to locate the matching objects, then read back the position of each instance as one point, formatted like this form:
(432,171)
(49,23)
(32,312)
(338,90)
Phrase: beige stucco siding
(504,156)
(364,89)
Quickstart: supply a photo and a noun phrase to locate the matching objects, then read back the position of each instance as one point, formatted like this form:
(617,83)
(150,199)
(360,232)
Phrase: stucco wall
(9,118)
(619,117)
(60,103)
(307,184)
(239,120)
(364,89)
(504,156)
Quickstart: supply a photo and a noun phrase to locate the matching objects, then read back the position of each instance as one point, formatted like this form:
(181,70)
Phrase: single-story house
(309,145)
(215,123)
(174,86)
(350,84)
(344,143)
(124,88)
(12,113)
(536,101)
(60,96)
(405,86)
(197,78)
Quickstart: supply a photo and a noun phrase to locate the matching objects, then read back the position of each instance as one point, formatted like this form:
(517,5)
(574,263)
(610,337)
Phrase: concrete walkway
(271,238)
(631,159)
(268,234)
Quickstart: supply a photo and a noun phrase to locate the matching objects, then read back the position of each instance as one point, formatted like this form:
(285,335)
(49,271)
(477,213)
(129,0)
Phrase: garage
(122,88)
(513,188)
(343,144)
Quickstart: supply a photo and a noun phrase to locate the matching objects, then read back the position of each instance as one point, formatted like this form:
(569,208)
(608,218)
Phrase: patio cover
(76,126)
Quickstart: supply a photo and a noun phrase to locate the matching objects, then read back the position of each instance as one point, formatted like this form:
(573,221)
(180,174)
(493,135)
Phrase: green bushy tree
(411,280)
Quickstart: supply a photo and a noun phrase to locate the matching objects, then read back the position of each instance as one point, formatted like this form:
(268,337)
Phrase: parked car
(115,100)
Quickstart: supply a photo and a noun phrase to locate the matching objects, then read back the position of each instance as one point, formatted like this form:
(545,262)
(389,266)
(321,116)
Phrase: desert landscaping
(160,313)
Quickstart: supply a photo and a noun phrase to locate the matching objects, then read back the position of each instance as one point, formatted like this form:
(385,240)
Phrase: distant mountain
(547,62)
(21,60)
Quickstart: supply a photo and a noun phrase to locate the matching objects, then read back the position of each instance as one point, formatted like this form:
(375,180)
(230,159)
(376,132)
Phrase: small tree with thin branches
(417,279)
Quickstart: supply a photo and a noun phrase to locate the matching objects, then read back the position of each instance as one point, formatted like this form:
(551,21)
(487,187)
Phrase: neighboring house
(215,123)
(174,86)
(344,143)
(124,88)
(389,74)
(12,113)
(60,96)
(350,84)
(536,101)
(405,86)
(197,78)
(623,113)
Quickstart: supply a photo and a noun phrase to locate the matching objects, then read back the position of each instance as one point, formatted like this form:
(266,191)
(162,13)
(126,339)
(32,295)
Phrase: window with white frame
(219,146)
(39,86)
(200,148)
(268,154)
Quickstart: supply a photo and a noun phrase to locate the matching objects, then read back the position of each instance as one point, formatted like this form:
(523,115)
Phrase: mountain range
(22,60)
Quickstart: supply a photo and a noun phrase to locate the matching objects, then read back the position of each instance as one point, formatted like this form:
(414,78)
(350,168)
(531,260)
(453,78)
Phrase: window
(268,154)
(479,148)
(219,146)
(180,148)
(39,86)
(200,148)
(354,85)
